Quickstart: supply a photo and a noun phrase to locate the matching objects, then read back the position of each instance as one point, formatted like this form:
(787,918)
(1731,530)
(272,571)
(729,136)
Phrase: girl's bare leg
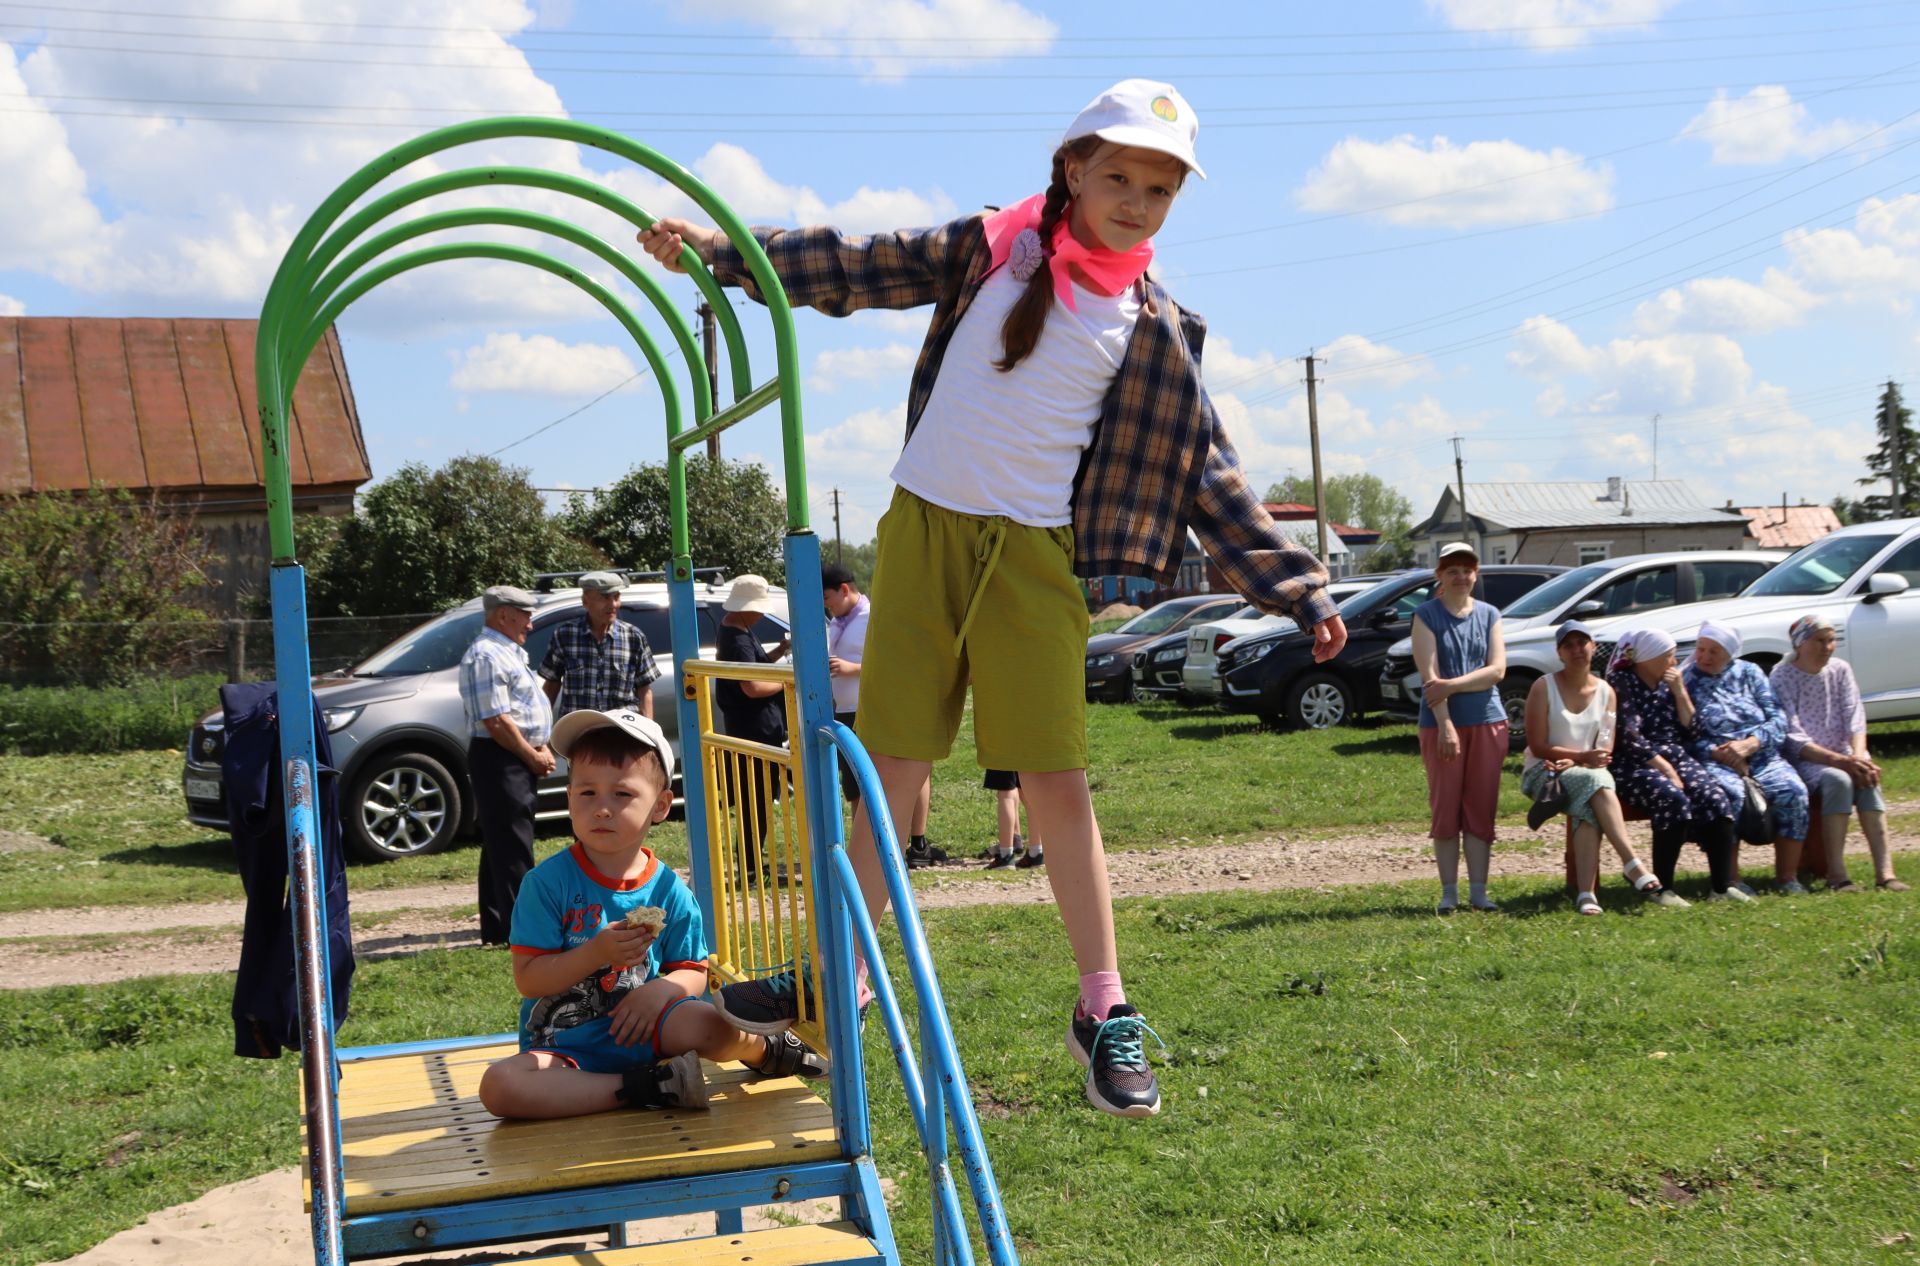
(1060,810)
(902,780)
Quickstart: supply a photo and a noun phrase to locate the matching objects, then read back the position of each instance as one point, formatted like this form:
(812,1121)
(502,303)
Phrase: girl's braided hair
(1020,333)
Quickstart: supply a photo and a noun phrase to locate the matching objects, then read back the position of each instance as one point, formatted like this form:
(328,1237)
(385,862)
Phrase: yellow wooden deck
(415,1135)
(783,1246)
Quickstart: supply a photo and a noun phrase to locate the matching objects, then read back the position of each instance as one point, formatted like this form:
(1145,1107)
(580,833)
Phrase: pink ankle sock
(1099,991)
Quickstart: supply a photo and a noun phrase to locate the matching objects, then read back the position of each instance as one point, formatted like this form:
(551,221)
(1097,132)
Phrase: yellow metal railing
(763,914)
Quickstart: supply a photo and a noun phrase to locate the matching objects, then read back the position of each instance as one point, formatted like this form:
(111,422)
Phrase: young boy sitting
(612,1015)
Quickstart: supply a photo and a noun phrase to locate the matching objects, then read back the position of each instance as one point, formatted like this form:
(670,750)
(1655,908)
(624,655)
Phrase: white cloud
(862,364)
(47,220)
(1355,359)
(1550,24)
(1766,126)
(1728,305)
(1878,260)
(743,180)
(1629,375)
(539,365)
(1403,181)
(11,307)
(893,38)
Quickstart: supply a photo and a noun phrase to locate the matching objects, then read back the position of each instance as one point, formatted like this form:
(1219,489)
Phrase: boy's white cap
(750,593)
(1142,112)
(585,720)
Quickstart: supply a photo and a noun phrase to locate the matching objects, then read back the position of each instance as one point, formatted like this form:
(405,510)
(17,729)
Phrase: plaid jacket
(1160,461)
(598,675)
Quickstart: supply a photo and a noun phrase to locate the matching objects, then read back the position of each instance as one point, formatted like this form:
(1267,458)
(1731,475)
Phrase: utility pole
(1319,485)
(1460,491)
(1656,446)
(836,525)
(709,344)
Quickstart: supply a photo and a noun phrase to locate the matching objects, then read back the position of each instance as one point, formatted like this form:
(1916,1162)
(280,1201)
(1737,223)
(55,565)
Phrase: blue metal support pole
(319,1072)
(683,612)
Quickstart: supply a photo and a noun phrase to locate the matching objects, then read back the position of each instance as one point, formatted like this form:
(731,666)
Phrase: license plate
(202,789)
(1389,690)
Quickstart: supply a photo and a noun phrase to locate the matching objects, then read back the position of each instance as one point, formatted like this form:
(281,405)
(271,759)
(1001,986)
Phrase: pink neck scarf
(1013,233)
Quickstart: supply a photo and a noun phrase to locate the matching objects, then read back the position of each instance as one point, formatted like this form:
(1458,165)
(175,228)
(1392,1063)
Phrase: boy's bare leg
(922,802)
(1007,809)
(902,780)
(696,1026)
(1060,810)
(538,1085)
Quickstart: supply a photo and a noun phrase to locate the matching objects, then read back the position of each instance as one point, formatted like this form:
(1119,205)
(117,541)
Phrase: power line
(539,431)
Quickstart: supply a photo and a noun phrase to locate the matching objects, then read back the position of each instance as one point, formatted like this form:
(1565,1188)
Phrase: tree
(1360,500)
(95,586)
(425,540)
(1896,460)
(735,518)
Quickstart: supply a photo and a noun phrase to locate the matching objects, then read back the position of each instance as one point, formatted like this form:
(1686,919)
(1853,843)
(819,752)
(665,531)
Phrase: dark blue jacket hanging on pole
(266,1012)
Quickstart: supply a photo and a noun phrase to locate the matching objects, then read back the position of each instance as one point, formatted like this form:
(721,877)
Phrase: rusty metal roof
(161,404)
(1799,525)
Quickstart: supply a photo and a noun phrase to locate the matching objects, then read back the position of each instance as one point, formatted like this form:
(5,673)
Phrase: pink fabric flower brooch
(1027,255)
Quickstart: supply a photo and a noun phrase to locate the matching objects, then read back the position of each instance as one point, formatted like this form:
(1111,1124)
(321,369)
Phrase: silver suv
(399,735)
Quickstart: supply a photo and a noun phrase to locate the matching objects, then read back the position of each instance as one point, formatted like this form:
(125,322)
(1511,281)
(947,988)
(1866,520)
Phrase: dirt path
(42,948)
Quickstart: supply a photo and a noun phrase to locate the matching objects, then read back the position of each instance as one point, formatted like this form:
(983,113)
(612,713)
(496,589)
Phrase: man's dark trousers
(503,802)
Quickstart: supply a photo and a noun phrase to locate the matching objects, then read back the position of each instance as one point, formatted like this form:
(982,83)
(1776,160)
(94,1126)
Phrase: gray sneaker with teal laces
(766,1006)
(1118,1078)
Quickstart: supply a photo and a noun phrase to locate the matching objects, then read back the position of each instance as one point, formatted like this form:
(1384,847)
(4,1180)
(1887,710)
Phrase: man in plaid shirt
(601,663)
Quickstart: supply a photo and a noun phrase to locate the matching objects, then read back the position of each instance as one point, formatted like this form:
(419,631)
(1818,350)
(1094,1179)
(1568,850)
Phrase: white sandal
(1646,883)
(1587,903)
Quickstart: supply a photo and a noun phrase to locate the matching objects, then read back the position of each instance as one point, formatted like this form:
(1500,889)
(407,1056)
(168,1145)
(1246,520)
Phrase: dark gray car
(400,737)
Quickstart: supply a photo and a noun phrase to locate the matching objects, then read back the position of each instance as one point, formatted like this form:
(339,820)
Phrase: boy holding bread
(609,951)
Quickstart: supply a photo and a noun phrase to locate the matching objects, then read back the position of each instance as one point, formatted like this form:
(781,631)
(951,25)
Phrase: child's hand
(634,1016)
(664,240)
(621,945)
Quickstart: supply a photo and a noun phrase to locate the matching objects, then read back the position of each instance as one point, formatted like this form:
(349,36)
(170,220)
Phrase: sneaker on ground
(1000,861)
(1669,898)
(1745,887)
(672,1083)
(1118,1078)
(1791,888)
(1030,859)
(766,1006)
(924,854)
(788,1056)
(1731,894)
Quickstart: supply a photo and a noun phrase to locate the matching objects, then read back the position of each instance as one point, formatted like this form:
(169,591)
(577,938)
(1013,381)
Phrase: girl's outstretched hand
(1329,638)
(664,240)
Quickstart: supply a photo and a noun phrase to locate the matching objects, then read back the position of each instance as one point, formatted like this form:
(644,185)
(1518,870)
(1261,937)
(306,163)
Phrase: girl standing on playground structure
(1057,424)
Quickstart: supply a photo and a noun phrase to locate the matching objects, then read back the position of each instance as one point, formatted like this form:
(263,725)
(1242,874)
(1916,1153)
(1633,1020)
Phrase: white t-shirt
(1009,444)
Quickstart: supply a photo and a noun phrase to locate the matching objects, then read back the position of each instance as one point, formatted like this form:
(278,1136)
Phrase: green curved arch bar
(360,256)
(297,268)
(534,177)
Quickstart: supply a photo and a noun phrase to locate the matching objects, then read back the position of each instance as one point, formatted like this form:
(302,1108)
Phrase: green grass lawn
(1162,775)
(1347,1078)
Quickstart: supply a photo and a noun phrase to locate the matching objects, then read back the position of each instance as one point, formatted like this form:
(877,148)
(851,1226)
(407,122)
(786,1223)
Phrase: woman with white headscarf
(1827,741)
(1738,730)
(1655,773)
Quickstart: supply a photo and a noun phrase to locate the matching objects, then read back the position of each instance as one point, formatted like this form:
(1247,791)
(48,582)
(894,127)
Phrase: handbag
(1756,824)
(1553,799)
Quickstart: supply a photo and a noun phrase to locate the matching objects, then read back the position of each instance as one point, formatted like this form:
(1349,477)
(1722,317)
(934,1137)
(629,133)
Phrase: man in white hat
(600,663)
(508,724)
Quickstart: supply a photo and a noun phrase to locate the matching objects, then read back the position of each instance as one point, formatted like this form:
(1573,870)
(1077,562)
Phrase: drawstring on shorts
(986,556)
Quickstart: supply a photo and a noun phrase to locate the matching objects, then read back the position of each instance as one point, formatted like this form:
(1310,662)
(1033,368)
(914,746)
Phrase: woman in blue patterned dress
(1655,773)
(1738,729)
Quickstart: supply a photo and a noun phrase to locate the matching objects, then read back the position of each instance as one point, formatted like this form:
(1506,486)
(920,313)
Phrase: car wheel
(1513,697)
(1142,695)
(401,804)
(1319,700)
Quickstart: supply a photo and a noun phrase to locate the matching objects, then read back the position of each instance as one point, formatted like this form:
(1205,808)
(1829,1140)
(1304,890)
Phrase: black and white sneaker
(919,853)
(679,1082)
(788,1056)
(1118,1078)
(767,1006)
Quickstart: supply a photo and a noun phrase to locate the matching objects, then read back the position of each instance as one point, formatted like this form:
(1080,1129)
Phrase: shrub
(43,720)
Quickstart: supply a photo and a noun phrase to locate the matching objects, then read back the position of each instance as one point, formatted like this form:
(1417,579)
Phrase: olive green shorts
(961,598)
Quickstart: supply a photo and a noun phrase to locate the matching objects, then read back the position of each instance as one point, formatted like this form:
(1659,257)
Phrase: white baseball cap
(585,720)
(1145,113)
(1453,549)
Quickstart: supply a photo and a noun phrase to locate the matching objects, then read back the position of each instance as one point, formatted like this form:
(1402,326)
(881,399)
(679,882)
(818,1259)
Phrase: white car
(1863,578)
(1205,641)
(1631,585)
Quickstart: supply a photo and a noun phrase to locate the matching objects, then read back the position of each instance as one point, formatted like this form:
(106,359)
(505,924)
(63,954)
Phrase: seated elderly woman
(1738,729)
(1570,730)
(1827,741)
(1655,773)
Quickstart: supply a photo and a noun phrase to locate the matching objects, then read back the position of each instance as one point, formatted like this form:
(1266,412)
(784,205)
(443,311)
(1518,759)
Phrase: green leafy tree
(735,518)
(1360,500)
(98,587)
(424,540)
(859,559)
(1895,462)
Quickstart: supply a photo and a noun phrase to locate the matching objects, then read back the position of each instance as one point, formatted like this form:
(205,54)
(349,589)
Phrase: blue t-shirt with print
(564,902)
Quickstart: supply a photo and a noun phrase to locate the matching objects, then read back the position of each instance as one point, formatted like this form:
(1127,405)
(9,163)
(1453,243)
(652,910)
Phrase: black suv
(1273,674)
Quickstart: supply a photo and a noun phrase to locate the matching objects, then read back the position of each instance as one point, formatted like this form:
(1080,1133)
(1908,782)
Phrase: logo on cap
(1163,108)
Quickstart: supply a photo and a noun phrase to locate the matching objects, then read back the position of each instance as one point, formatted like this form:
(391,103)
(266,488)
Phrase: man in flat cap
(601,663)
(508,723)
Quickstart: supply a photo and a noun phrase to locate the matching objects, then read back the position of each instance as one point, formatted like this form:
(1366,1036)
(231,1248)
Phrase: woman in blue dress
(1738,728)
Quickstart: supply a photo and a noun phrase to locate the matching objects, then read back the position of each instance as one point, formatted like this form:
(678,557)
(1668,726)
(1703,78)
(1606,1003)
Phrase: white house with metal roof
(1578,522)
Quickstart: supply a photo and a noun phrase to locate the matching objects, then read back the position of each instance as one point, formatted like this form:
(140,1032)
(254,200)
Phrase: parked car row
(1865,578)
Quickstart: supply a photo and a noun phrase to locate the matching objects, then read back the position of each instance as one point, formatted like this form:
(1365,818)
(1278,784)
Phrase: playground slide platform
(427,1167)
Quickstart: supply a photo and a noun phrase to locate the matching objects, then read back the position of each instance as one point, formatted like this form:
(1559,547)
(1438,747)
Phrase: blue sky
(1534,224)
